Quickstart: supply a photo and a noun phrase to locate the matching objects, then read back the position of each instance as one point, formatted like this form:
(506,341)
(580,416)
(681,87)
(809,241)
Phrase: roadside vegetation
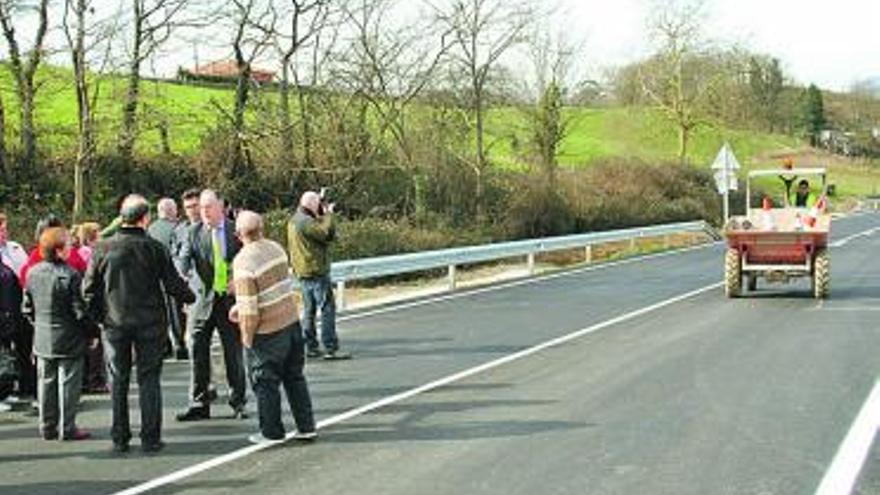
(467,123)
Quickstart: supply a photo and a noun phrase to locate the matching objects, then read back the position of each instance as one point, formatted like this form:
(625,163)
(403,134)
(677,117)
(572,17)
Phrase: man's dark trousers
(277,359)
(230,338)
(148,344)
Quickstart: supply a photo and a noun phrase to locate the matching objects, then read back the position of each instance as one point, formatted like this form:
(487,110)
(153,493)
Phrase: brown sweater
(263,290)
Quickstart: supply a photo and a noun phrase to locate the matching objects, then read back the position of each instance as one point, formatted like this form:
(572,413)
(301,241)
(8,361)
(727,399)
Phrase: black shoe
(314,353)
(153,447)
(182,354)
(239,413)
(195,414)
(336,355)
(120,448)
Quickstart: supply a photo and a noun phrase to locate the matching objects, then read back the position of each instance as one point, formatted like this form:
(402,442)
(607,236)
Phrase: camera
(327,203)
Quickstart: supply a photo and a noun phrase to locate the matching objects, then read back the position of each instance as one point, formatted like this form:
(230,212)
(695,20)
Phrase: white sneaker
(259,439)
(305,436)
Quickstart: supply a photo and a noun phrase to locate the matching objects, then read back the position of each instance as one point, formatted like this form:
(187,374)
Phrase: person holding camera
(310,233)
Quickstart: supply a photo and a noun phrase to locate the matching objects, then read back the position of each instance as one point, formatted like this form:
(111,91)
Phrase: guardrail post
(530,261)
(588,254)
(667,242)
(451,277)
(632,244)
(340,295)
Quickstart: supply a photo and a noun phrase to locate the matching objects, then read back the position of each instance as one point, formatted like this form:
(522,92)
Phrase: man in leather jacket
(123,288)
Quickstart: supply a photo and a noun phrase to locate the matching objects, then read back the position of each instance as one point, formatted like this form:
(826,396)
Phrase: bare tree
(676,78)
(152,24)
(483,31)
(23,65)
(389,66)
(300,23)
(552,52)
(85,34)
(254,25)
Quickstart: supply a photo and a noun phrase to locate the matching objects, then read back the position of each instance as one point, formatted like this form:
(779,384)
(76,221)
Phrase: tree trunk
(287,151)
(305,117)
(128,132)
(683,139)
(84,112)
(28,133)
(4,166)
(164,139)
(242,92)
(481,158)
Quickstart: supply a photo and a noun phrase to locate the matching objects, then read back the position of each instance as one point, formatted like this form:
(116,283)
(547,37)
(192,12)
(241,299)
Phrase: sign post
(725,166)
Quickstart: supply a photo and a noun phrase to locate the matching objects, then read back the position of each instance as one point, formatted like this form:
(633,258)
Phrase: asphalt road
(700,395)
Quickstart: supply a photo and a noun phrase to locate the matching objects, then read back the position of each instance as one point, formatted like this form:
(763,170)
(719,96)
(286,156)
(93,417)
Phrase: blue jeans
(277,359)
(318,293)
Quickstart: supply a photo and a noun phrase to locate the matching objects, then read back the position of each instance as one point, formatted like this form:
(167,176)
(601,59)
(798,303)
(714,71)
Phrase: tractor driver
(803,198)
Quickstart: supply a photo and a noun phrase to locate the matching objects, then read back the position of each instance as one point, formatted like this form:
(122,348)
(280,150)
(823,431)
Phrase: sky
(832,44)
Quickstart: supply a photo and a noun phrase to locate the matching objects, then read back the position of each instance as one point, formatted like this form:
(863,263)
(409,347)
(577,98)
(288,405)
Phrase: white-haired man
(310,233)
(123,290)
(270,331)
(164,230)
(208,251)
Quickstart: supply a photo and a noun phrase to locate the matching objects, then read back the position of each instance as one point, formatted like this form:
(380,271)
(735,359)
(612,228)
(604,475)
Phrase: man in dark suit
(208,250)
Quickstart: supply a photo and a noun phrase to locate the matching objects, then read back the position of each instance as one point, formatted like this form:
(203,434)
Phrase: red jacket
(75,261)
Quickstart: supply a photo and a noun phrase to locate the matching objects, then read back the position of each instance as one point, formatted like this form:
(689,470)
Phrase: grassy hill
(593,134)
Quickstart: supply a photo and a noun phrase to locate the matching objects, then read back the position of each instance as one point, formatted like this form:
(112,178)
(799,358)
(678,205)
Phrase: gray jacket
(60,321)
(165,231)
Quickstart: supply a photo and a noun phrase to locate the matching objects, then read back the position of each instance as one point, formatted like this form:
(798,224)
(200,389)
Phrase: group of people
(150,288)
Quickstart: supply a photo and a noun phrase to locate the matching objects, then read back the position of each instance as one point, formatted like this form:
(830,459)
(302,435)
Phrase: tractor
(779,243)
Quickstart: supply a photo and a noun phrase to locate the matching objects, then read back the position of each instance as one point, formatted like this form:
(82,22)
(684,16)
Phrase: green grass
(631,132)
(593,134)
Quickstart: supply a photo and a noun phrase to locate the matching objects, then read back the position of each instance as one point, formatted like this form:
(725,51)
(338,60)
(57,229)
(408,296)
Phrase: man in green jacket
(310,233)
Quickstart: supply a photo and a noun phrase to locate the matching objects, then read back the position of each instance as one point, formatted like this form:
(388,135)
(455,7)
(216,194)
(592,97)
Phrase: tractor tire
(732,274)
(752,282)
(822,274)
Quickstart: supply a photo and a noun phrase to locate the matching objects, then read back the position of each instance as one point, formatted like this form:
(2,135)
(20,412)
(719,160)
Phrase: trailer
(779,242)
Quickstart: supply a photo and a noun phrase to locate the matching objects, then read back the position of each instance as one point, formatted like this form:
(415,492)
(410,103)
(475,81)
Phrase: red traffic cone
(767,214)
(813,215)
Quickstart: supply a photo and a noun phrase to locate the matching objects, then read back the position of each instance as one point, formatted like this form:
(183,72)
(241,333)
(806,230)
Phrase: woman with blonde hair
(87,233)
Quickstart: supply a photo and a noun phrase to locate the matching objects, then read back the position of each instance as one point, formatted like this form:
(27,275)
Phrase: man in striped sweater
(266,312)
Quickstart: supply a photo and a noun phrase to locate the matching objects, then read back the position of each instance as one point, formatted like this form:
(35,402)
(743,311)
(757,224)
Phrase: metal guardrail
(344,271)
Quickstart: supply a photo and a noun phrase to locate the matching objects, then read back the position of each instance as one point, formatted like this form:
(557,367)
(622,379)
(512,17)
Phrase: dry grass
(500,271)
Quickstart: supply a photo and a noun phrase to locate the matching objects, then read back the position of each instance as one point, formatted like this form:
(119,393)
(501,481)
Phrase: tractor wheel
(752,281)
(822,274)
(732,273)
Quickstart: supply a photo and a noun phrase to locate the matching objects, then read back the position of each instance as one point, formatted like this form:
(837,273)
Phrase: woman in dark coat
(60,333)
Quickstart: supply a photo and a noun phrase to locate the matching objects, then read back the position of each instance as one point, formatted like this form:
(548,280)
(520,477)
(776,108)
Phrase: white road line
(531,280)
(246,451)
(841,477)
(515,283)
(847,240)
